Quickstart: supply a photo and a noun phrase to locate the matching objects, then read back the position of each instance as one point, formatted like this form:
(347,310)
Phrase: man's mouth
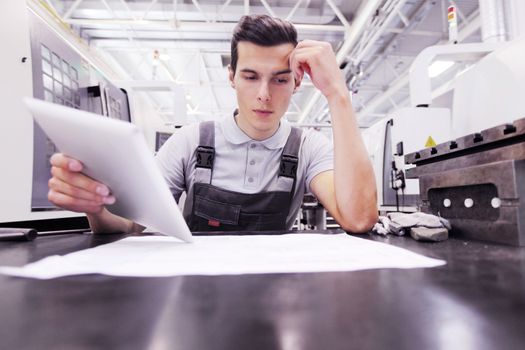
(263,112)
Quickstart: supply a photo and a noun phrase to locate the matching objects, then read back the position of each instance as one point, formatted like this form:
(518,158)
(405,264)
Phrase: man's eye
(281,80)
(250,77)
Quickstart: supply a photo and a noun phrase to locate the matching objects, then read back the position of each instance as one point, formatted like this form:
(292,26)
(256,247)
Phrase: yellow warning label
(430,142)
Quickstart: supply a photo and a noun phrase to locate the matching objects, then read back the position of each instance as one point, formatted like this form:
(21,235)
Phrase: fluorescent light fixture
(438,68)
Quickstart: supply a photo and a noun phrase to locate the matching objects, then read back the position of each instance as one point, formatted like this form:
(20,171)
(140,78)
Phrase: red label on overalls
(214,223)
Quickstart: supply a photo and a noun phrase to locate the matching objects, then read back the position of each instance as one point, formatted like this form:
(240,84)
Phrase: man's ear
(231,73)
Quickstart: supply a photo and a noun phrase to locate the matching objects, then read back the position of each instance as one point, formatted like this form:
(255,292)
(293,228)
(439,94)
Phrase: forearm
(354,181)
(350,192)
(107,222)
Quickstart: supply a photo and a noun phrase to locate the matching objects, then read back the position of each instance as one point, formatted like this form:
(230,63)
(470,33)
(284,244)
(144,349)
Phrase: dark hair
(261,30)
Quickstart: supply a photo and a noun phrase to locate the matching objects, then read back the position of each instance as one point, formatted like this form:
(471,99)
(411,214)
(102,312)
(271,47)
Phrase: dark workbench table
(476,301)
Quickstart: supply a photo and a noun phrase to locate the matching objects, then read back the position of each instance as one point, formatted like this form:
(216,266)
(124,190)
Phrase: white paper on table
(154,256)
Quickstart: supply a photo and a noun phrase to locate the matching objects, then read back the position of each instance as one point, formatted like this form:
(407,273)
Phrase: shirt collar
(233,134)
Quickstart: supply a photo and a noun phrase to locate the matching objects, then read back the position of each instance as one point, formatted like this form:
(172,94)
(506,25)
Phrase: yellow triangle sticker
(430,142)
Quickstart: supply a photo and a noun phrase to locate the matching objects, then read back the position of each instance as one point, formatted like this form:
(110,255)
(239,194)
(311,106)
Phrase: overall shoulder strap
(205,153)
(289,160)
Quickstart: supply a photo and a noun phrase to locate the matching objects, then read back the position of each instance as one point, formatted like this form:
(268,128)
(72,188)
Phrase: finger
(313,56)
(62,161)
(296,66)
(73,204)
(302,60)
(305,54)
(291,62)
(65,188)
(324,46)
(307,43)
(298,73)
(306,68)
(80,180)
(308,54)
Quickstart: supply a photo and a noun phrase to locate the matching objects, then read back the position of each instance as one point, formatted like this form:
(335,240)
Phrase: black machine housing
(477,182)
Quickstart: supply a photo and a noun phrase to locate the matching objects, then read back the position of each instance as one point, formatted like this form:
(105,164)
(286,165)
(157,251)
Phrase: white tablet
(115,153)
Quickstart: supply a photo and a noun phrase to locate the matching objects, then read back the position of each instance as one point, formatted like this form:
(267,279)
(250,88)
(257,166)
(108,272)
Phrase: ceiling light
(438,68)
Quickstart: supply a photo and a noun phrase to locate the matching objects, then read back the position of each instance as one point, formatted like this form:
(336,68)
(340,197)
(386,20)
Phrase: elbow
(359,224)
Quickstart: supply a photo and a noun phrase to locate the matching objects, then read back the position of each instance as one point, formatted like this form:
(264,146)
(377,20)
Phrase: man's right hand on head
(70,189)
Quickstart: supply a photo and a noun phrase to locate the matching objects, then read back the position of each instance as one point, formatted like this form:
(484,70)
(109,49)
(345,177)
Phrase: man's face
(264,85)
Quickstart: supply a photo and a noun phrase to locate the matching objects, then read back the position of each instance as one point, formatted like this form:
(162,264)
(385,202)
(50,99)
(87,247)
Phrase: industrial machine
(407,130)
(62,76)
(472,171)
(477,182)
(46,61)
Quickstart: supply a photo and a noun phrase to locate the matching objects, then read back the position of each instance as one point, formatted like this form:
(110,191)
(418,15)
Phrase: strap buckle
(288,166)
(205,157)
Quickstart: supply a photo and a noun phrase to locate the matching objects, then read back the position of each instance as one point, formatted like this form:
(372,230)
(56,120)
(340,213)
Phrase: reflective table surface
(476,301)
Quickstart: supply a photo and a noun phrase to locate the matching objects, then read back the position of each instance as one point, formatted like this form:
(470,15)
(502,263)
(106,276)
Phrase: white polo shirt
(242,164)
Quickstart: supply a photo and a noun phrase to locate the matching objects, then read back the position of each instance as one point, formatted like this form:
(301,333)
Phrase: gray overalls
(216,209)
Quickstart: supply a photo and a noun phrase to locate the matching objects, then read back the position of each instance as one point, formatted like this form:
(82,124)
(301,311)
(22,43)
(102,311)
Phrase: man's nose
(264,93)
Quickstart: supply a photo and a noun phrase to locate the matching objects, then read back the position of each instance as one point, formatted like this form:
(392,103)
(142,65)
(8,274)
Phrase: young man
(250,171)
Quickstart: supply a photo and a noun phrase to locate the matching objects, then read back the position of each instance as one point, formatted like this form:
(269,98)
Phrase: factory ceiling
(187,43)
